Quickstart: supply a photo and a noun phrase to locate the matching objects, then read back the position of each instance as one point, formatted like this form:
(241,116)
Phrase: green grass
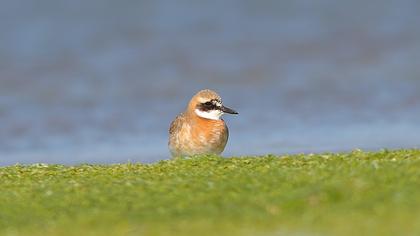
(355,193)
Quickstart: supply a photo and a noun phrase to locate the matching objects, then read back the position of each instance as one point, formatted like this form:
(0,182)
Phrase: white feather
(212,114)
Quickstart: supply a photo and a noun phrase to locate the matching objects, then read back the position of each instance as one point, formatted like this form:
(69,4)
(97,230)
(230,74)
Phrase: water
(100,81)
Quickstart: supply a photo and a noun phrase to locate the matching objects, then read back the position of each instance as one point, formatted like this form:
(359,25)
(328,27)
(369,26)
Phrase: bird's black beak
(228,110)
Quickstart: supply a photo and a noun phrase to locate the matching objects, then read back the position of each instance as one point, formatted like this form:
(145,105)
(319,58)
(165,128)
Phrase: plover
(200,129)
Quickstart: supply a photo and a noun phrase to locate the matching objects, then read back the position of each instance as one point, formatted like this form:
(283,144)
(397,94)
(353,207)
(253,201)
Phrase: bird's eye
(208,103)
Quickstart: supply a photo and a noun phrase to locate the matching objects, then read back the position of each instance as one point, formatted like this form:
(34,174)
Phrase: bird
(200,129)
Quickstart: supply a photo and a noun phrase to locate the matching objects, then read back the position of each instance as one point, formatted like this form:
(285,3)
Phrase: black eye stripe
(211,105)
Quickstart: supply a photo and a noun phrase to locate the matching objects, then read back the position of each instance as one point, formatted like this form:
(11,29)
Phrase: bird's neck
(203,121)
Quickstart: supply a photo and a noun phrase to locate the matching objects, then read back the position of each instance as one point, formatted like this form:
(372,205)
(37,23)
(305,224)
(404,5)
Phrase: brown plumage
(199,130)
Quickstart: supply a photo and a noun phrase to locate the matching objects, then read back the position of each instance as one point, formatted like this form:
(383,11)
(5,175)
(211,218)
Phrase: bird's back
(175,131)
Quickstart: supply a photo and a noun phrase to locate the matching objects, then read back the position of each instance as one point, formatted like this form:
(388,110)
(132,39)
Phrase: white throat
(212,114)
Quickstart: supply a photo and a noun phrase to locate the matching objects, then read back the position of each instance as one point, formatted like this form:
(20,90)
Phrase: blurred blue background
(100,81)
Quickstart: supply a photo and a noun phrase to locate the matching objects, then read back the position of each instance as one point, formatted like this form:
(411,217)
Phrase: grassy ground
(356,193)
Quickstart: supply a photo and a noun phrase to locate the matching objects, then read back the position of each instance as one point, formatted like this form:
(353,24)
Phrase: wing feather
(176,124)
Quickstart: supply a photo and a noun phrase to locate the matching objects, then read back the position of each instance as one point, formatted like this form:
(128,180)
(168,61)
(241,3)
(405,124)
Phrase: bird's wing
(176,124)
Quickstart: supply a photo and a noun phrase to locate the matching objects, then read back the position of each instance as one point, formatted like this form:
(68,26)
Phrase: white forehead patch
(211,114)
(204,100)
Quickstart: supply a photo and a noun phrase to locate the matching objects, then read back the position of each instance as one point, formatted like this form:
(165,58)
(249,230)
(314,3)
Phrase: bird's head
(207,104)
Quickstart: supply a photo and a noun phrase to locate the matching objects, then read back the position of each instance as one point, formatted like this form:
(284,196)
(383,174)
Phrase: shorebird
(200,129)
